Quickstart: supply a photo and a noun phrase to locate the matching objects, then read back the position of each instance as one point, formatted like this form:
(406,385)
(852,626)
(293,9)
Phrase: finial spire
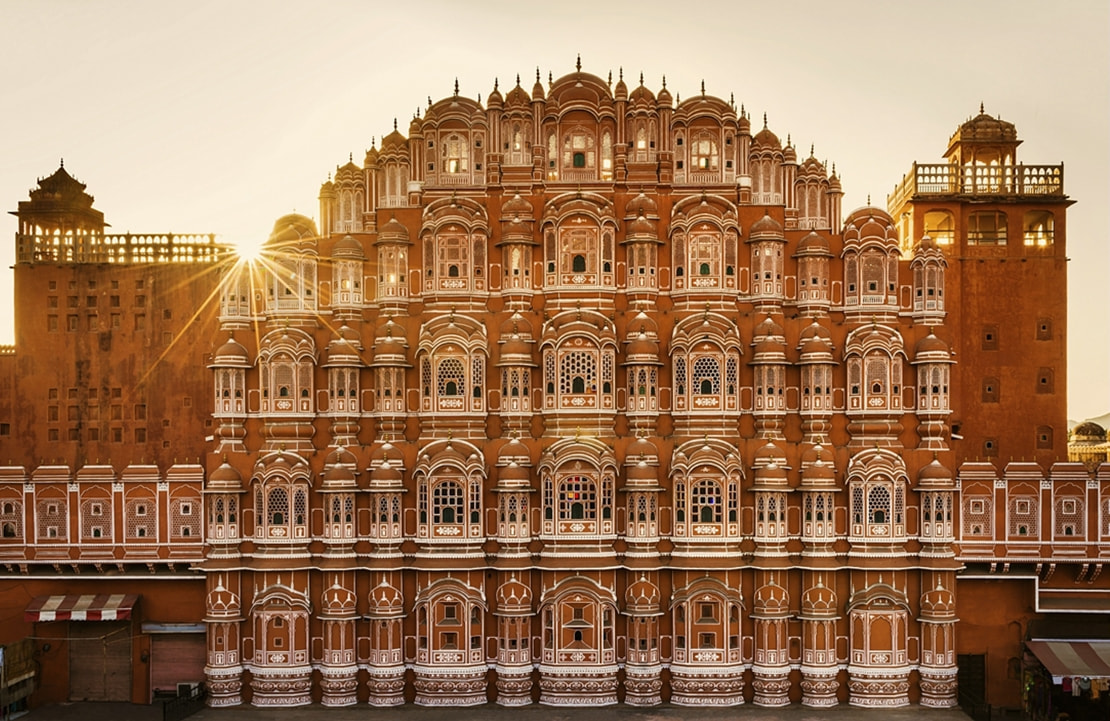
(764,118)
(456,87)
(578,63)
(62,163)
(394,124)
(664,82)
(703,86)
(981,109)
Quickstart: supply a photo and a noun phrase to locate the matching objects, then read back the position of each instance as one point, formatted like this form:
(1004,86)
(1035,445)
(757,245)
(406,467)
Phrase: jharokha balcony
(945,180)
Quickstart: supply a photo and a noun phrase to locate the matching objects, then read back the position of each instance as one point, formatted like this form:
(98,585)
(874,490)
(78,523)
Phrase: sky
(219,117)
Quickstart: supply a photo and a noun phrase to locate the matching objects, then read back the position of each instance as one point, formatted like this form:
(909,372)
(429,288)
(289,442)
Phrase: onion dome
(641,449)
(641,464)
(939,602)
(931,349)
(935,475)
(821,474)
(386,602)
(513,598)
(517,97)
(642,344)
(642,598)
(768,342)
(766,228)
(385,476)
(515,464)
(337,602)
(371,157)
(663,97)
(231,355)
(537,88)
(813,244)
(819,601)
(348,247)
(327,190)
(393,232)
(339,471)
(517,206)
(641,95)
(293,229)
(394,141)
(641,228)
(642,204)
(925,245)
(870,225)
(222,604)
(771,601)
(769,464)
(225,479)
(390,346)
(765,138)
(513,475)
(815,344)
(834,181)
(516,341)
(344,350)
(494,100)
(620,92)
(789,155)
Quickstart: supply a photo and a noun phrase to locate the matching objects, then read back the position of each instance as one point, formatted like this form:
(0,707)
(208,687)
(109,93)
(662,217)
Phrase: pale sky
(216,116)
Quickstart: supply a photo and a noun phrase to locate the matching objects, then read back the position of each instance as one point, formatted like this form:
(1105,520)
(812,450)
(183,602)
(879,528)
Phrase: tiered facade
(587,395)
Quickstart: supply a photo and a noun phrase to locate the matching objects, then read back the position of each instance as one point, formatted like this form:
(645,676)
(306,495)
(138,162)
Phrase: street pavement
(492,712)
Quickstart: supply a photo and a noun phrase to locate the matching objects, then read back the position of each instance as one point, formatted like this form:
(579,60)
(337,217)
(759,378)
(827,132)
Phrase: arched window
(456,155)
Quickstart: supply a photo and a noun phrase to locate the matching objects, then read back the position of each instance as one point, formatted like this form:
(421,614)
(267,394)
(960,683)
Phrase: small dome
(925,245)
(641,449)
(225,478)
(642,227)
(386,473)
(938,603)
(1089,431)
(231,354)
(516,206)
(766,227)
(813,244)
(292,229)
(663,97)
(869,225)
(393,231)
(768,328)
(642,204)
(495,99)
(348,247)
(935,474)
(514,474)
(336,477)
(386,601)
(769,453)
(931,349)
(337,601)
(340,455)
(221,602)
(819,600)
(771,599)
(642,597)
(765,138)
(513,597)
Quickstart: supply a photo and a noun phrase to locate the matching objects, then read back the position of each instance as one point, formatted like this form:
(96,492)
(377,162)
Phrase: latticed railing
(981,180)
(125,248)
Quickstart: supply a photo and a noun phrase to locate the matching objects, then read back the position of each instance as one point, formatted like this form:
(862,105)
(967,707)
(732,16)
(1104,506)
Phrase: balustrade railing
(123,248)
(979,180)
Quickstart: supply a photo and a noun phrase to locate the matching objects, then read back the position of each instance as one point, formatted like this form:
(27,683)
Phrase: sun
(248,249)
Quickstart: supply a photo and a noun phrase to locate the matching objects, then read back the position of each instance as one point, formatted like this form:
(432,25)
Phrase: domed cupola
(771,601)
(337,602)
(348,248)
(513,598)
(386,602)
(225,479)
(938,603)
(222,603)
(231,354)
(642,597)
(819,602)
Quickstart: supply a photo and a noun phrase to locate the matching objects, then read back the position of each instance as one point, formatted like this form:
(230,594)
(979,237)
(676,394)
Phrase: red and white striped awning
(1088,659)
(89,607)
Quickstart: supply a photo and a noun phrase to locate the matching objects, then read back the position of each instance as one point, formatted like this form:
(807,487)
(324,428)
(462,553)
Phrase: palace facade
(583,395)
